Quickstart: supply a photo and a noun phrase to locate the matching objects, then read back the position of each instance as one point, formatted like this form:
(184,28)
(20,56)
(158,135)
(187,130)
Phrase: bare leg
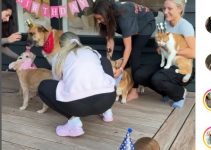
(133,94)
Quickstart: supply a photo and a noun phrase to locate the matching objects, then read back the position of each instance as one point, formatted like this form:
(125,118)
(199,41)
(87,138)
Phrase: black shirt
(130,23)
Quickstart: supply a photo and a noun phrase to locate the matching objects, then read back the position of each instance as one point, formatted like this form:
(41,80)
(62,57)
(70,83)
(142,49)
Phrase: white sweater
(83,76)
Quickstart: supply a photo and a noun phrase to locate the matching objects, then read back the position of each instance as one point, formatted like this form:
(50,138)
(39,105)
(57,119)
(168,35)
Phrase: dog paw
(117,99)
(123,101)
(177,70)
(22,107)
(41,111)
(167,67)
(142,90)
(162,64)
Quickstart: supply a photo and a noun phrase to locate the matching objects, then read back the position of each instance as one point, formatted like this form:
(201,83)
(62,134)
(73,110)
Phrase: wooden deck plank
(48,134)
(186,138)
(169,130)
(36,143)
(12,146)
(145,115)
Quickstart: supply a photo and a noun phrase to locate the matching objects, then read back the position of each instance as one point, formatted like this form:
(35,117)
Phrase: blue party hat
(127,143)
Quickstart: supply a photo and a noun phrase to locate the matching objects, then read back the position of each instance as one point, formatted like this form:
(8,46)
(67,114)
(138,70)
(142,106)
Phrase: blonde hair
(69,42)
(146,143)
(181,4)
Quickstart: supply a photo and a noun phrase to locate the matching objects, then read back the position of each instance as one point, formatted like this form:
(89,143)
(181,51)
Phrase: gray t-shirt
(182,27)
(130,23)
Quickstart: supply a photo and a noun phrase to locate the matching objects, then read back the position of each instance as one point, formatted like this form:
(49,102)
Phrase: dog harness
(49,44)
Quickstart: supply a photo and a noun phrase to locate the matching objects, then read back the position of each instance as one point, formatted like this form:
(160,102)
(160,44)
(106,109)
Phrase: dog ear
(12,65)
(42,29)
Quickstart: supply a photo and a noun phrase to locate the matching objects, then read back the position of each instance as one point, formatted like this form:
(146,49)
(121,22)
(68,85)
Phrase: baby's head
(146,143)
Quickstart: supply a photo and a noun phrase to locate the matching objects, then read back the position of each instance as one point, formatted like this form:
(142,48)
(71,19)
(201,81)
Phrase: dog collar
(49,44)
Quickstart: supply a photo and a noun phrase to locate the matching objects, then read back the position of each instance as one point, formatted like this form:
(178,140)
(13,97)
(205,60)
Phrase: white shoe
(72,128)
(108,115)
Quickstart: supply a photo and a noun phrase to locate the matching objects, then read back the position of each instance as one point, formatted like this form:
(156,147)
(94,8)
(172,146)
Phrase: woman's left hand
(117,73)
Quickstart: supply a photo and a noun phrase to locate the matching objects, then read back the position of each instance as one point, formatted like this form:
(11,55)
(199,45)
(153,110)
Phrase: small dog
(124,86)
(126,82)
(29,77)
(147,143)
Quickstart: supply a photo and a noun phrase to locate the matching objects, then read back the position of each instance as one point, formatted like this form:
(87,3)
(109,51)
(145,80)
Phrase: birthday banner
(53,11)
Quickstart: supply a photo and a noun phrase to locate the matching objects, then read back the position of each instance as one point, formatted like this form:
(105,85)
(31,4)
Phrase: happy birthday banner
(53,11)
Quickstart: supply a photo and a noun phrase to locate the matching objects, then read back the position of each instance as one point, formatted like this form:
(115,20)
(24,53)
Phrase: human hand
(110,46)
(118,72)
(14,37)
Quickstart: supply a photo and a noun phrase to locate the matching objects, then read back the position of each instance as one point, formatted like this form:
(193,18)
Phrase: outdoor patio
(174,129)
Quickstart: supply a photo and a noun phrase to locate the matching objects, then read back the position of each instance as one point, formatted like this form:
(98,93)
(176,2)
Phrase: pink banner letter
(73,7)
(83,4)
(54,11)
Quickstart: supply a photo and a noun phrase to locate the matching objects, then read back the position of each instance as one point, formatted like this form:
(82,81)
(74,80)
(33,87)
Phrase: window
(23,15)
(81,23)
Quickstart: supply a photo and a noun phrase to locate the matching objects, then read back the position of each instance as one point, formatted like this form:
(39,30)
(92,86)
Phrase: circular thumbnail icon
(207,99)
(208,62)
(207,137)
(208,24)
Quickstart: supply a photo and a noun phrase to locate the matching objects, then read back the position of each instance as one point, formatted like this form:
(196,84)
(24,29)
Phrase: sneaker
(72,128)
(108,115)
(180,103)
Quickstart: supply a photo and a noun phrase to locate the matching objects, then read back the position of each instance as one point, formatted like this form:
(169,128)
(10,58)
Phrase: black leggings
(169,83)
(138,44)
(92,105)
(164,81)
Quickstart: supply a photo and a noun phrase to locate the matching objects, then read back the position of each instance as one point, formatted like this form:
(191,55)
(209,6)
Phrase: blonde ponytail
(69,42)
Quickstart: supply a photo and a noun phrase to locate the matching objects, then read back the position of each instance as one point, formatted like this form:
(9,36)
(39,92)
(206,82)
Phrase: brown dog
(146,143)
(124,86)
(29,77)
(47,38)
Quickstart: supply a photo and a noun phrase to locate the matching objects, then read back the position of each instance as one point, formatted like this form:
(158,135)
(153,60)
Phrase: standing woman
(134,22)
(6,13)
(165,81)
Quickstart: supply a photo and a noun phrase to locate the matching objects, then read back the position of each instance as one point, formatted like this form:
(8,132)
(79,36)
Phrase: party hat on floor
(127,143)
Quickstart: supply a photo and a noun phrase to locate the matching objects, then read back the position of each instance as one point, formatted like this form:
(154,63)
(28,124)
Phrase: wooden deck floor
(27,130)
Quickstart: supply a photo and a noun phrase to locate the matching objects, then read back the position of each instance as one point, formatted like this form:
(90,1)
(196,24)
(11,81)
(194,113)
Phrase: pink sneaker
(108,116)
(72,128)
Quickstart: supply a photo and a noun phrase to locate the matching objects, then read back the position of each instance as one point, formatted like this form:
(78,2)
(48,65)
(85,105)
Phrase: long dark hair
(6,5)
(7,27)
(107,10)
